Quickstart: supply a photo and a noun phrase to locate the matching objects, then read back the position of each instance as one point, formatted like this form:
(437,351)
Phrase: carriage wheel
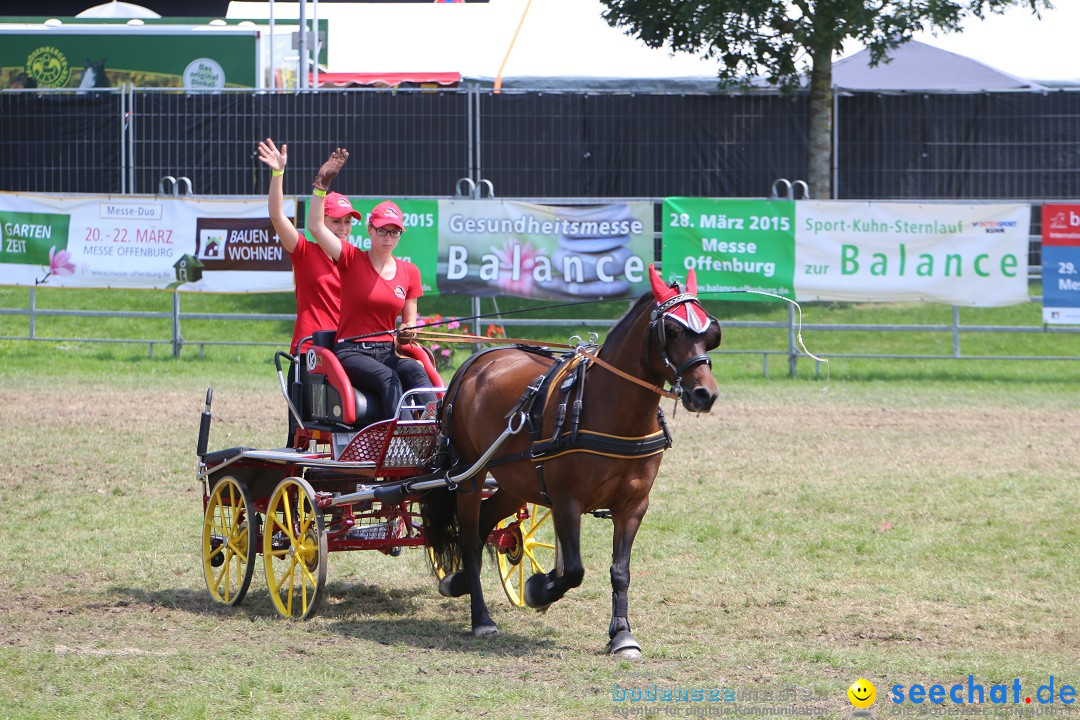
(436,565)
(533,553)
(228,546)
(294,549)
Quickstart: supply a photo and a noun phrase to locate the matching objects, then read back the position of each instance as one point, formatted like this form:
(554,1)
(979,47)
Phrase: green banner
(736,247)
(149,58)
(33,238)
(420,243)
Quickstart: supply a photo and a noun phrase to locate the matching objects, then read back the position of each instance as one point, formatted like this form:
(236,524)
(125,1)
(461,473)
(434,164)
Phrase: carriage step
(220,456)
(602,514)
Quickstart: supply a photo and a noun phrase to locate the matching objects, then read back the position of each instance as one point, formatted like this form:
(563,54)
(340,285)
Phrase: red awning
(400,79)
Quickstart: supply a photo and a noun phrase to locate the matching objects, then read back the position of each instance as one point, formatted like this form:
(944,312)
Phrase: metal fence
(1000,145)
(1018,146)
(788,350)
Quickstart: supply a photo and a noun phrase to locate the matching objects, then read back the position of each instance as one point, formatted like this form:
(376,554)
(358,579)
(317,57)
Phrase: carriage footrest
(220,456)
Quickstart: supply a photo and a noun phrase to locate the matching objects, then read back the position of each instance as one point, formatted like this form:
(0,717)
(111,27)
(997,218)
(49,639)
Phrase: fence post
(177,340)
(476,322)
(956,330)
(33,307)
(793,356)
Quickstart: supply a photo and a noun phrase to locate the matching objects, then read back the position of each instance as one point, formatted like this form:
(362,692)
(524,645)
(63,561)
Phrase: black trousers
(374,369)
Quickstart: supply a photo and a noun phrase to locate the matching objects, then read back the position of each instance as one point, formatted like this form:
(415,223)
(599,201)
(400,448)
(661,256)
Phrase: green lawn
(746,351)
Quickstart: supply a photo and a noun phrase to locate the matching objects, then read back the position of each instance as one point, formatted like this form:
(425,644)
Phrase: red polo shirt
(318,302)
(370,304)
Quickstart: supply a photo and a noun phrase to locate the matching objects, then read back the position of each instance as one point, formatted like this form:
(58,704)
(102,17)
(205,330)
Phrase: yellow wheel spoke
(284,528)
(305,573)
(306,519)
(532,558)
(537,522)
(292,584)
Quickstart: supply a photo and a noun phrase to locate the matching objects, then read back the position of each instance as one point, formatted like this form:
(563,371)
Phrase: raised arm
(329,242)
(276,160)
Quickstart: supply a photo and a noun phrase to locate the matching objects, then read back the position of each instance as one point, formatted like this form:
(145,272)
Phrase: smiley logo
(862,693)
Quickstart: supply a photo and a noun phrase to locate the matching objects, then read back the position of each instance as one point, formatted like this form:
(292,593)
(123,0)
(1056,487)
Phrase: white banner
(974,255)
(138,241)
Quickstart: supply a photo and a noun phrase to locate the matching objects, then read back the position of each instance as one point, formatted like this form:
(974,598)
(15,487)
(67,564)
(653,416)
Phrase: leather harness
(566,377)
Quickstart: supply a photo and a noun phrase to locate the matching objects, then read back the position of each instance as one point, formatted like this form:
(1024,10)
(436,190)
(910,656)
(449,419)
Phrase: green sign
(148,57)
(33,238)
(420,242)
(736,247)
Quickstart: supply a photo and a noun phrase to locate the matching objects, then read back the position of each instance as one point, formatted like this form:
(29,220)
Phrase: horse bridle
(656,324)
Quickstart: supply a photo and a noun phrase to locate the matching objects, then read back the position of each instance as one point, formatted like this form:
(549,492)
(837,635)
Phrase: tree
(780,36)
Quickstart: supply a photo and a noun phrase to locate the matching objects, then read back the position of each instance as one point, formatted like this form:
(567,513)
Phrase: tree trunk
(819,164)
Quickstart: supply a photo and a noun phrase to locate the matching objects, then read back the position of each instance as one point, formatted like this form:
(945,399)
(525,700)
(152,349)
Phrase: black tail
(439,511)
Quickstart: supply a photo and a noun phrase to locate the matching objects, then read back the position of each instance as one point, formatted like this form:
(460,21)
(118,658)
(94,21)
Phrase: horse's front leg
(472,557)
(622,642)
(543,589)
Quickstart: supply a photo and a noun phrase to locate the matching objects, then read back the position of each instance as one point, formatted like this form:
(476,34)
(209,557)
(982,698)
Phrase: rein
(627,376)
(471,339)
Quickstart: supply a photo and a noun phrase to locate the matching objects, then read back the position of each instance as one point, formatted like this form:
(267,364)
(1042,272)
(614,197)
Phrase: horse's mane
(622,327)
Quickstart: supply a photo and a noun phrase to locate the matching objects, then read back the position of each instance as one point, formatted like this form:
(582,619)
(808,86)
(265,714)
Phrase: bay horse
(596,438)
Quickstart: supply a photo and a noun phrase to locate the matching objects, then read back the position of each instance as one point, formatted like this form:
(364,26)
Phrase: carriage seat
(329,400)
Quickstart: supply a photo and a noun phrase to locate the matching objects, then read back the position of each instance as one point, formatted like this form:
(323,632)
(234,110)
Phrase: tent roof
(918,66)
(117,9)
(914,66)
(408,79)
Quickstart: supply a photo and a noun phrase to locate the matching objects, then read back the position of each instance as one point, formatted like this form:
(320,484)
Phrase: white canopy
(918,66)
(117,9)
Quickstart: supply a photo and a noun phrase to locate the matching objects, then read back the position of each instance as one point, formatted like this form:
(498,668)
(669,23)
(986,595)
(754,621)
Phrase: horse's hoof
(482,631)
(444,585)
(533,593)
(624,646)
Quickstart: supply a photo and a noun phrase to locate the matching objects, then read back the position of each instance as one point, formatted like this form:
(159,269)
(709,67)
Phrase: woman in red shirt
(376,288)
(318,305)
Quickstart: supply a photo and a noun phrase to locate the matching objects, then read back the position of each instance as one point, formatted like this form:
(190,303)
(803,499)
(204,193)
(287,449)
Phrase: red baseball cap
(386,213)
(337,205)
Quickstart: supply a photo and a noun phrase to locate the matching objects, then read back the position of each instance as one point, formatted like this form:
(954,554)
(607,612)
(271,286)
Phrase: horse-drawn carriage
(352,483)
(561,434)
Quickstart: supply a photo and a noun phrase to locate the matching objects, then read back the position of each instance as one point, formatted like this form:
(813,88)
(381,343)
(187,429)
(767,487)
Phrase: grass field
(916,523)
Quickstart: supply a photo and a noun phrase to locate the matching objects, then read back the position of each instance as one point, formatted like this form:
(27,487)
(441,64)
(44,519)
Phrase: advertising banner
(94,57)
(1061,264)
(971,255)
(141,242)
(420,242)
(500,247)
(733,246)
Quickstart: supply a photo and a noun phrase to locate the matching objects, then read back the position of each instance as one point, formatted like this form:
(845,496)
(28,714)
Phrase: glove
(330,169)
(404,335)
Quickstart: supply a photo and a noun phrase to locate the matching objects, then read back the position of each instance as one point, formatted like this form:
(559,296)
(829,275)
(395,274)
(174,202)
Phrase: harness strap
(627,376)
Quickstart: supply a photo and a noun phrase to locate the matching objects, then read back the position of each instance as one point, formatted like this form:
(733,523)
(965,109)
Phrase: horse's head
(685,333)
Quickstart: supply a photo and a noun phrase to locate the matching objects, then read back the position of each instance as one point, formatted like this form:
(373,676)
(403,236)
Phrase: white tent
(116,9)
(918,66)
